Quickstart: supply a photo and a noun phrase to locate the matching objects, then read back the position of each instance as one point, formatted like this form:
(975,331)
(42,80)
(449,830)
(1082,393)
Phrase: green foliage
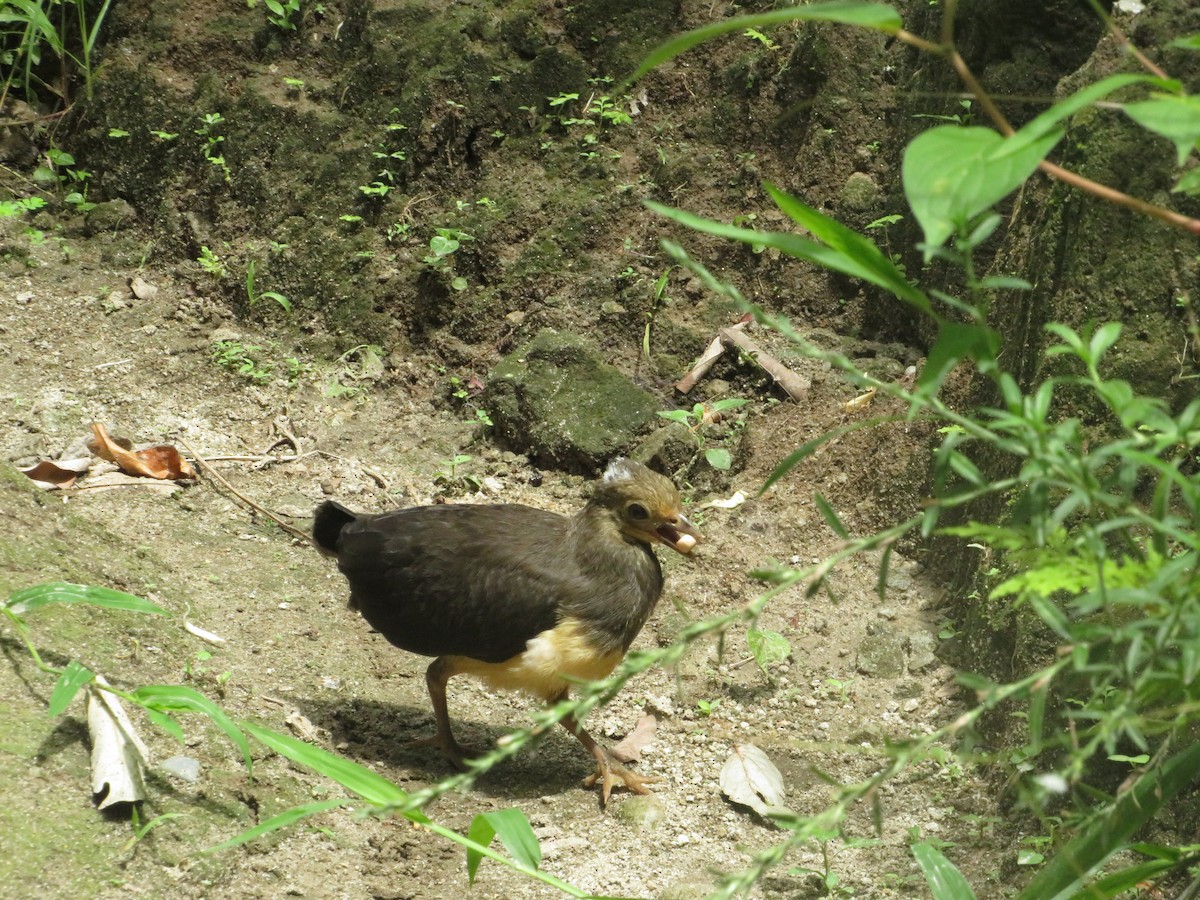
(768,648)
(283,14)
(242,359)
(1100,538)
(264,295)
(702,415)
(34,31)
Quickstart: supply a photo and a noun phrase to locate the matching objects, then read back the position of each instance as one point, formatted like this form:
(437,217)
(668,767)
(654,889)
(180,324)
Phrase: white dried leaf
(732,503)
(750,779)
(119,758)
(202,633)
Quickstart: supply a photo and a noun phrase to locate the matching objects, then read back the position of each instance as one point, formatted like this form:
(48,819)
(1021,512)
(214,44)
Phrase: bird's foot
(609,773)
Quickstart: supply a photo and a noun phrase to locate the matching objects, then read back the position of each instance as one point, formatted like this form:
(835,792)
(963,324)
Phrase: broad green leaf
(957,341)
(356,778)
(878,16)
(1189,183)
(718,458)
(165,722)
(186,699)
(1175,118)
(1071,866)
(53,592)
(862,253)
(1045,123)
(283,820)
(952,174)
(515,833)
(801,248)
(73,677)
(767,647)
(944,880)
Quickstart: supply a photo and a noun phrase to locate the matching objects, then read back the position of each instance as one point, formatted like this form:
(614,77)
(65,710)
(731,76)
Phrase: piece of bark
(710,355)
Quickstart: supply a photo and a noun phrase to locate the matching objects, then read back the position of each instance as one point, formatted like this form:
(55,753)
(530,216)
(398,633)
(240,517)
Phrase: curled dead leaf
(162,462)
(50,475)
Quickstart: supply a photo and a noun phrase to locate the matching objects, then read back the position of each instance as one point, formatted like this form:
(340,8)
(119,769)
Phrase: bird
(521,598)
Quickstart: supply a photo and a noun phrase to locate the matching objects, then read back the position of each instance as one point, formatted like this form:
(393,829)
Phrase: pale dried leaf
(143,289)
(49,475)
(750,779)
(631,747)
(732,503)
(304,728)
(119,758)
(202,633)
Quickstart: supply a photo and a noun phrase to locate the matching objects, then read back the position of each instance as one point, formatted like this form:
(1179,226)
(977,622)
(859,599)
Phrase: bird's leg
(440,671)
(609,771)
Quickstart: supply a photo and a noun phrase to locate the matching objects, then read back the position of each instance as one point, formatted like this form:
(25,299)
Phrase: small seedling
(211,263)
(768,648)
(699,416)
(452,476)
(265,295)
(240,359)
(707,707)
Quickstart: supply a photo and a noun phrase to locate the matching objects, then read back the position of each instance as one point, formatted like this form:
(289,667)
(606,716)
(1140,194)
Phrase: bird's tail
(328,522)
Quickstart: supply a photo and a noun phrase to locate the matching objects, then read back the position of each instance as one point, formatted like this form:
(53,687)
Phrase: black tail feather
(328,522)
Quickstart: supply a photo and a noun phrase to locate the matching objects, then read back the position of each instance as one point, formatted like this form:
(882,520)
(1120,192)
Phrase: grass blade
(57,592)
(176,697)
(73,677)
(944,880)
(283,820)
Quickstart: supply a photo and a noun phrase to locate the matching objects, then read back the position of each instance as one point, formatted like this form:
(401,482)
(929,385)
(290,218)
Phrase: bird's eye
(637,511)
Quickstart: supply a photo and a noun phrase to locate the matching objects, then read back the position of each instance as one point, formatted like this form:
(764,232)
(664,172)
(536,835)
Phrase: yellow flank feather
(562,651)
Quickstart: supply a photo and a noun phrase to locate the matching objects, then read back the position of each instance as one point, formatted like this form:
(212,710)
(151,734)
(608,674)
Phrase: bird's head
(646,506)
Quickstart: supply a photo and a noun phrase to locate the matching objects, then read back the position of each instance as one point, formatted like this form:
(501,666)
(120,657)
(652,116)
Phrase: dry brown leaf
(630,749)
(163,462)
(49,475)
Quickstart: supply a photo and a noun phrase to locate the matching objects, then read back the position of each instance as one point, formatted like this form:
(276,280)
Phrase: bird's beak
(679,535)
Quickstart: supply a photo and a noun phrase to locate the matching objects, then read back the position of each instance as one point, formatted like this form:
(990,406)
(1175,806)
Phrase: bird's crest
(620,469)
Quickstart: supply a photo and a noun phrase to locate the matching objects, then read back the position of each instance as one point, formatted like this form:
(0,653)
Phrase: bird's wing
(475,581)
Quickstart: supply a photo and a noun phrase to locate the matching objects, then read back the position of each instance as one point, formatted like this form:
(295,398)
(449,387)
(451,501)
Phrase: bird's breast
(550,661)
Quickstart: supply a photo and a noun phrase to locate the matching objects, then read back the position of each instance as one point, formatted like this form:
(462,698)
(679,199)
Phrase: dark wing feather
(475,581)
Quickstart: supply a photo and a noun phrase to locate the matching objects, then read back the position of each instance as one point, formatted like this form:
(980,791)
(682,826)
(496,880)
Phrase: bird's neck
(625,572)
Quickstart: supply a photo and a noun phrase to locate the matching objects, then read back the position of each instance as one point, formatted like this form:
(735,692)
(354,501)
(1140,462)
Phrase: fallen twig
(794,385)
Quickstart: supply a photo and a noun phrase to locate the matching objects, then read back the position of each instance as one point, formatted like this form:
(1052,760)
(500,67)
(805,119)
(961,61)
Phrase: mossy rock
(558,401)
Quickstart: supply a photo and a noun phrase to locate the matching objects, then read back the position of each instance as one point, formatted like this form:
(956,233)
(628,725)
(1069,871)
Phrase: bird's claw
(609,773)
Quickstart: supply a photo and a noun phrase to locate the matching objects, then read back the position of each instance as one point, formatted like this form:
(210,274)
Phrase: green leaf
(283,820)
(860,252)
(1045,123)
(857,261)
(355,778)
(831,517)
(1108,833)
(53,592)
(1175,118)
(952,174)
(866,15)
(165,722)
(1105,336)
(718,458)
(515,833)
(957,341)
(185,699)
(767,647)
(73,677)
(944,880)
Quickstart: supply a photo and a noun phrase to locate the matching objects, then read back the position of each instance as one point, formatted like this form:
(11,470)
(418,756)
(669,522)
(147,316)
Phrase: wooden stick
(796,386)
(203,464)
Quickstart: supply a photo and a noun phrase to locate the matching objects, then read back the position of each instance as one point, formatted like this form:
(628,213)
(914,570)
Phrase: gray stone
(643,812)
(112,215)
(881,653)
(922,651)
(558,401)
(860,192)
